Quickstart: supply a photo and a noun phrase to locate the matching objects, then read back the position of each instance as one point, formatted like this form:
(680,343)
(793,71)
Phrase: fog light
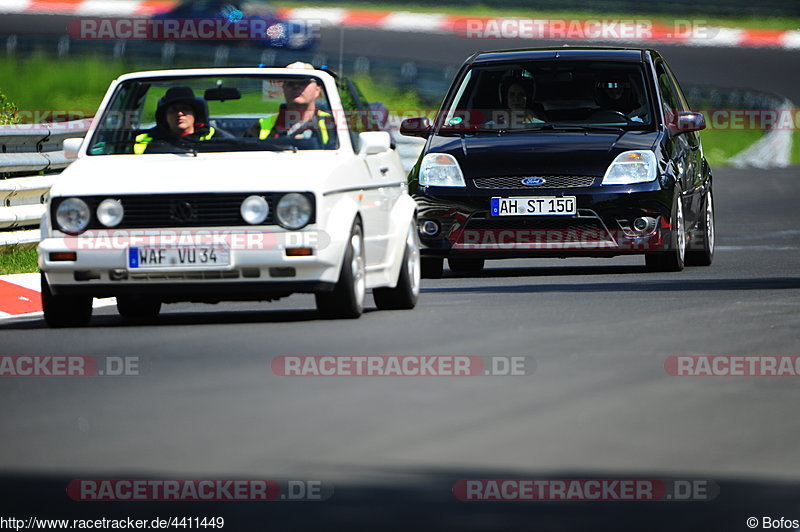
(63,256)
(429,228)
(644,224)
(299,252)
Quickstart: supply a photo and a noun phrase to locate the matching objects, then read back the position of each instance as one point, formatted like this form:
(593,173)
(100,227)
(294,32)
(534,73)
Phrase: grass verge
(776,23)
(82,82)
(18,259)
(721,145)
(79,85)
(796,148)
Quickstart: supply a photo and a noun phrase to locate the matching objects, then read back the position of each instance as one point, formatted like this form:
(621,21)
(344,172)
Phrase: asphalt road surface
(598,404)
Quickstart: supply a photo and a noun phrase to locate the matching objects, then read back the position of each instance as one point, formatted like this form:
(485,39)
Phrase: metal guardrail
(30,158)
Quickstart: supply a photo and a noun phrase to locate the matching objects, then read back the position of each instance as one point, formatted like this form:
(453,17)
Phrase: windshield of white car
(216,114)
(540,95)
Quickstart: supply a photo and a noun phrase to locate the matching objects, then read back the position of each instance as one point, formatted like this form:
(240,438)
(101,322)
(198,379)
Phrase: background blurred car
(279,33)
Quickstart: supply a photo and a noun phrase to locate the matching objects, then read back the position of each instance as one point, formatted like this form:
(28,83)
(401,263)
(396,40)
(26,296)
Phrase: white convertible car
(229,184)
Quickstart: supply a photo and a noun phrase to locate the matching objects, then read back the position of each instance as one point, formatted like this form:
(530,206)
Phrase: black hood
(539,152)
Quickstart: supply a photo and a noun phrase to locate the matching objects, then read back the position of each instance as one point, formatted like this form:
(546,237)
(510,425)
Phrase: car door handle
(384,170)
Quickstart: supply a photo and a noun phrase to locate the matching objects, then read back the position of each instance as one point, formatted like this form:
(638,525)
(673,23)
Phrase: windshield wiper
(581,127)
(250,143)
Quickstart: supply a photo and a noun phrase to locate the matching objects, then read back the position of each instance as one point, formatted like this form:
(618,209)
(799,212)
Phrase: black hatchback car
(563,152)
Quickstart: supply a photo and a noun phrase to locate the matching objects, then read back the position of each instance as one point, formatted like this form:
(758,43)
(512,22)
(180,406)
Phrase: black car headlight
(635,166)
(73,216)
(440,170)
(294,211)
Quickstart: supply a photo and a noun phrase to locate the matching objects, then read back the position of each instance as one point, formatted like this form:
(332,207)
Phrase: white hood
(315,171)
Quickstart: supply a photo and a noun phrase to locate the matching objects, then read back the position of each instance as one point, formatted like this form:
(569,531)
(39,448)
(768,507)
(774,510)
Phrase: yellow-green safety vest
(144,139)
(266,125)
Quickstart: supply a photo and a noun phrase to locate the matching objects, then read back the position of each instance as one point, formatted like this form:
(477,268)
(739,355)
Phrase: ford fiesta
(561,153)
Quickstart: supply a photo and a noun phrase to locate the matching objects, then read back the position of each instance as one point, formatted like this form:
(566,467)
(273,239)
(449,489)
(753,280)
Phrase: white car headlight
(293,211)
(72,216)
(255,209)
(636,166)
(440,170)
(110,212)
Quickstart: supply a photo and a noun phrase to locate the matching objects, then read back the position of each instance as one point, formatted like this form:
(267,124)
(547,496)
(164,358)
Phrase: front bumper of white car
(247,264)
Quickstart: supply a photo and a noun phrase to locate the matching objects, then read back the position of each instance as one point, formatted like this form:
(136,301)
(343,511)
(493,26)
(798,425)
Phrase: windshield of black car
(547,95)
(216,114)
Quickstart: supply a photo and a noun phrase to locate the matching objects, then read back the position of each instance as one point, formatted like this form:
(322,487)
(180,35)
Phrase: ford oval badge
(533,181)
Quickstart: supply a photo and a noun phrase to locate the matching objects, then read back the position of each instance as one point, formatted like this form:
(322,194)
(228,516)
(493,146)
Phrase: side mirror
(71,148)
(416,127)
(685,121)
(374,142)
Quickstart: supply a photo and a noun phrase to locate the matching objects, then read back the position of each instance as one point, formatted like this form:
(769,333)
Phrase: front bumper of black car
(458,223)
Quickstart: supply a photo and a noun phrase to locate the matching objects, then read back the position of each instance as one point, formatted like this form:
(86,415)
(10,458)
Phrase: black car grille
(582,226)
(550,181)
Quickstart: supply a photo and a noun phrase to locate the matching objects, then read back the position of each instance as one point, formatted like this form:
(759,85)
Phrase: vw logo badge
(533,181)
(182,211)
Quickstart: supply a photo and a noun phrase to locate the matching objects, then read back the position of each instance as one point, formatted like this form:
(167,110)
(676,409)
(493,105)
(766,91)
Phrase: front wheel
(704,254)
(64,311)
(406,293)
(346,300)
(671,260)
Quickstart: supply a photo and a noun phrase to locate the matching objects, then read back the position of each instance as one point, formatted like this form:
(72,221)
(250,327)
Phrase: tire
(704,254)
(465,265)
(138,309)
(671,260)
(431,267)
(346,300)
(65,311)
(404,296)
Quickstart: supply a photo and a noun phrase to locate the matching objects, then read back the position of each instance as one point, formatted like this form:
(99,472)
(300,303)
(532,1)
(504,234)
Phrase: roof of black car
(633,55)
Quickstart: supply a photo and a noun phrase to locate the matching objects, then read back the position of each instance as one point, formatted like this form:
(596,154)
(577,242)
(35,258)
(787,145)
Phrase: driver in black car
(614,93)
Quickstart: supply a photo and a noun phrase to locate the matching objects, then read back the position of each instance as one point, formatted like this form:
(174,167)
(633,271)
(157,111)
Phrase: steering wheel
(220,131)
(608,115)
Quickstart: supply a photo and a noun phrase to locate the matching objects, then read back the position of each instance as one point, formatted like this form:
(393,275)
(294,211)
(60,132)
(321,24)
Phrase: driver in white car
(299,117)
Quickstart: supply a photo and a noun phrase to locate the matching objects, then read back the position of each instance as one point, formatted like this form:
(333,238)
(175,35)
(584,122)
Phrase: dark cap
(184,95)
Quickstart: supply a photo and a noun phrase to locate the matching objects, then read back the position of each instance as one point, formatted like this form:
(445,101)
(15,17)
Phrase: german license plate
(534,206)
(178,257)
